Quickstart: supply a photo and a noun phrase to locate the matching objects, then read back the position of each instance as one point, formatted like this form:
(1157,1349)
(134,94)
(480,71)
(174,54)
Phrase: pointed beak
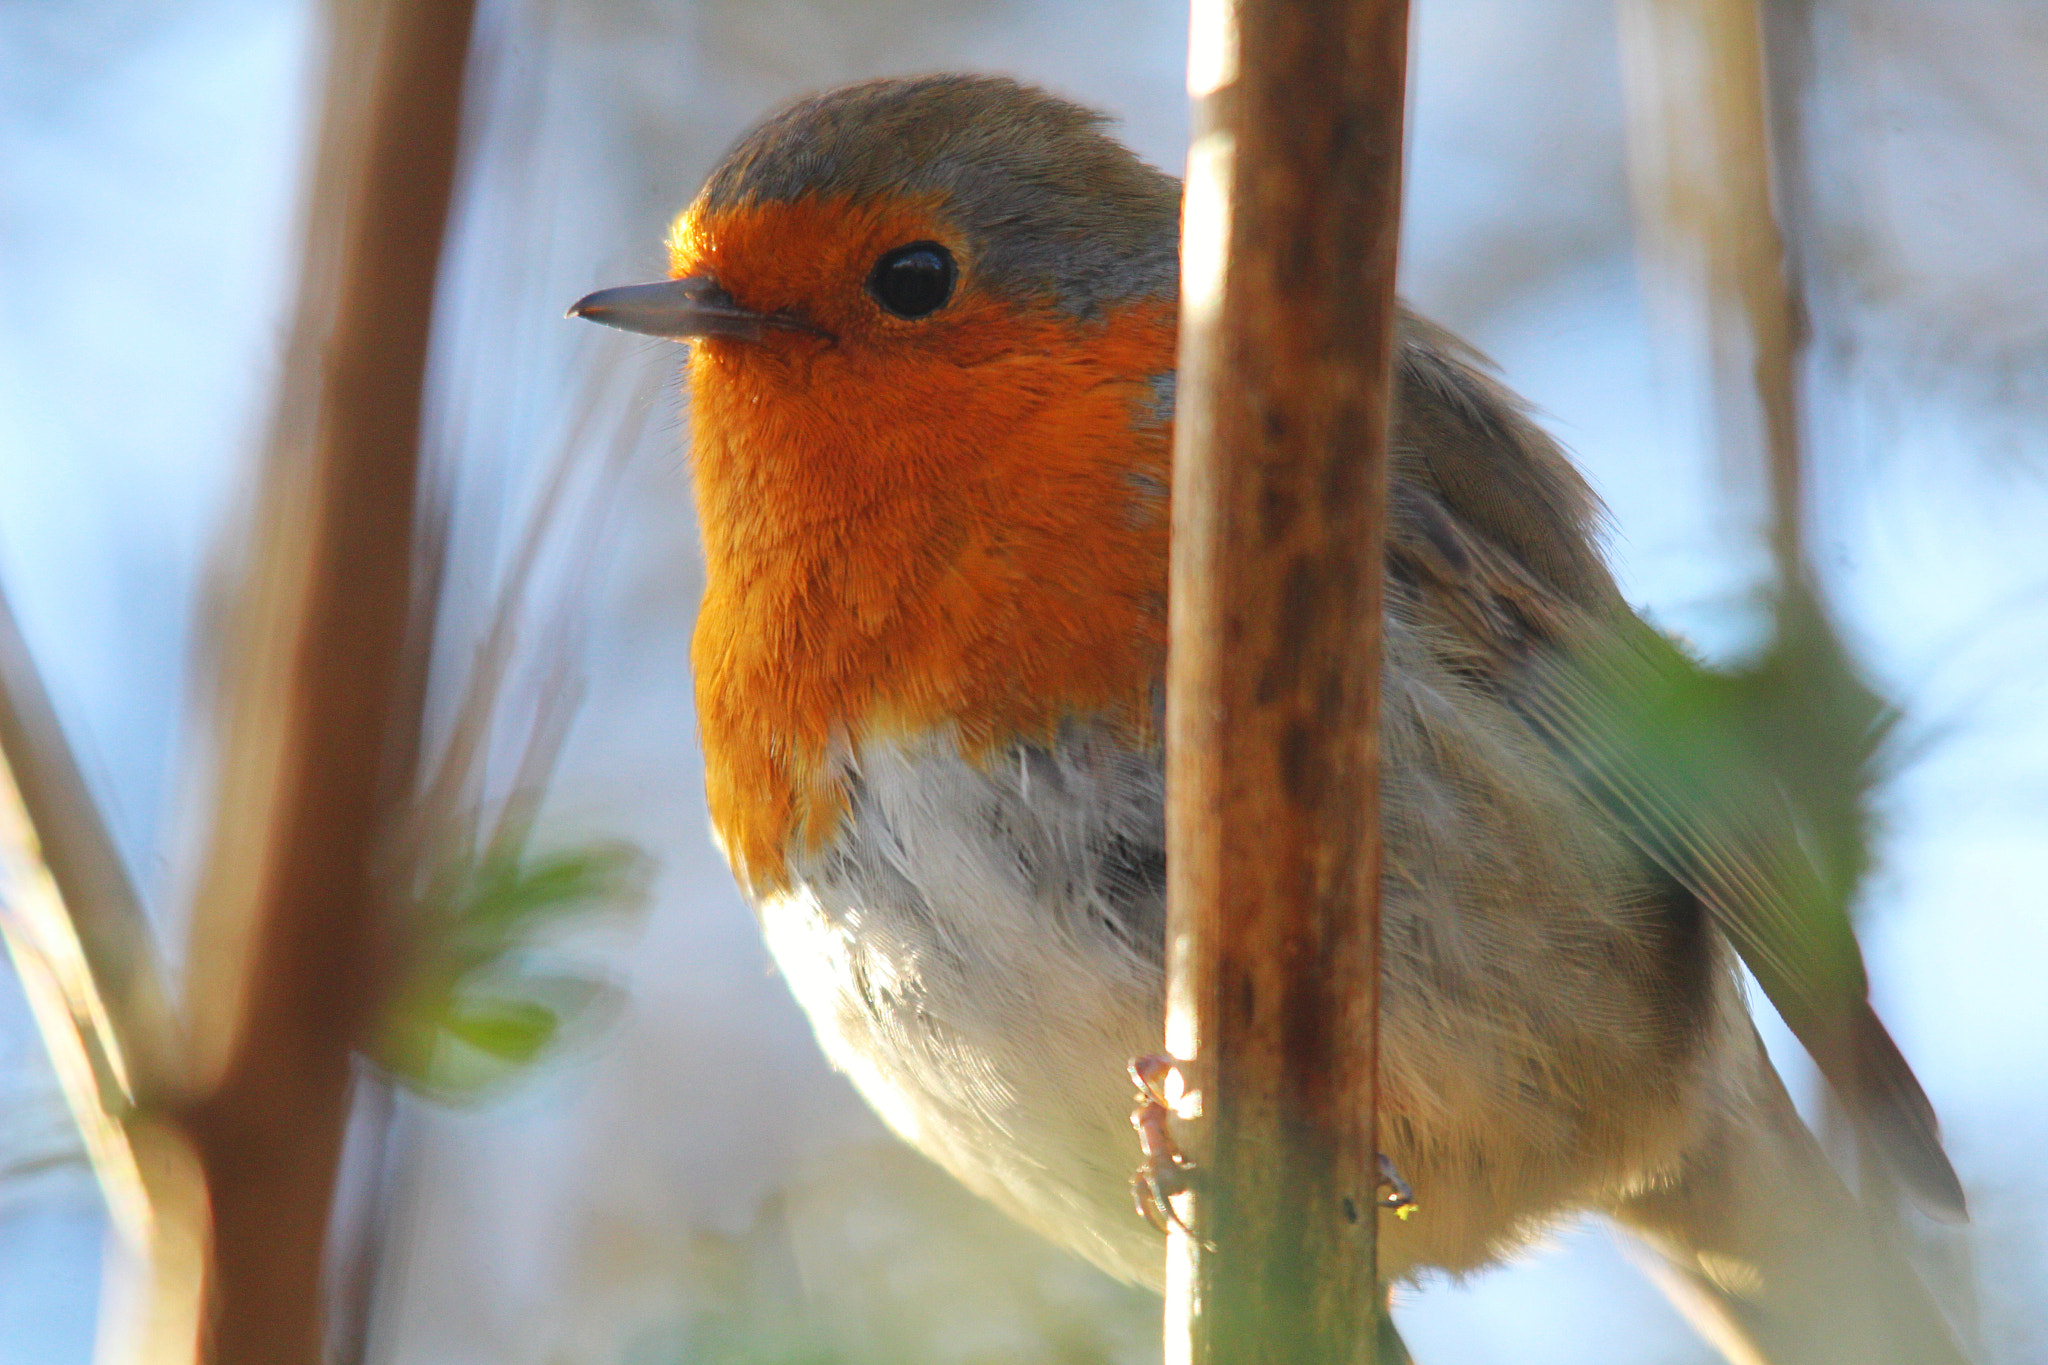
(692,307)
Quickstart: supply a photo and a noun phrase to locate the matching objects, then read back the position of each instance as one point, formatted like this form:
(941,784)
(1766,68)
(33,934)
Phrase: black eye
(913,280)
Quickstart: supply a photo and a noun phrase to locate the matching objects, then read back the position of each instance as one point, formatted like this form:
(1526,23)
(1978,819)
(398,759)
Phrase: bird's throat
(982,550)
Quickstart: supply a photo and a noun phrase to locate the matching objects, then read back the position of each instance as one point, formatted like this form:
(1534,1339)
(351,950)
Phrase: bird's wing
(1649,735)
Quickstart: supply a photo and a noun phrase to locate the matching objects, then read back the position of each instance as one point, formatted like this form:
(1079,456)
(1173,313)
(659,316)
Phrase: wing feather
(1656,740)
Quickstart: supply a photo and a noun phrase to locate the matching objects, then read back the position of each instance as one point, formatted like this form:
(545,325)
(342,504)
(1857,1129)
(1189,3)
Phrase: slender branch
(1700,159)
(105,916)
(284,937)
(1272,713)
(80,940)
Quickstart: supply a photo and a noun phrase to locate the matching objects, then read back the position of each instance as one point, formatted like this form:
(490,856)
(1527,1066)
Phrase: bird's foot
(1165,1172)
(1392,1191)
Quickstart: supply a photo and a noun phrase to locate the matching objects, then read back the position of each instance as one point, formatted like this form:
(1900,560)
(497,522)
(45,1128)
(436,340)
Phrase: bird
(931,326)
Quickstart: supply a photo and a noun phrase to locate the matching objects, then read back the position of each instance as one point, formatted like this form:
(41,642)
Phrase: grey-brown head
(992,186)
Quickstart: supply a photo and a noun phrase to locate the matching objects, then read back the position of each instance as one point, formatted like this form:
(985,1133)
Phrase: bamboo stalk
(1289,247)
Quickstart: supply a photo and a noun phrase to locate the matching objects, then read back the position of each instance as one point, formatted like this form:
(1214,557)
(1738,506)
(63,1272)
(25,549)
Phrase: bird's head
(902,219)
(905,273)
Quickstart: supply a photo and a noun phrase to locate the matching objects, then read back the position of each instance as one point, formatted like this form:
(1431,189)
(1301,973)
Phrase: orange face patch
(909,524)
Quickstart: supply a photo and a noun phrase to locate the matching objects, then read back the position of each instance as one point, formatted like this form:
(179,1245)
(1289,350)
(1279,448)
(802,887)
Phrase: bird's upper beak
(692,307)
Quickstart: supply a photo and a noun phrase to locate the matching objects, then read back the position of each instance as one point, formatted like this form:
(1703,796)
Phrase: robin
(931,330)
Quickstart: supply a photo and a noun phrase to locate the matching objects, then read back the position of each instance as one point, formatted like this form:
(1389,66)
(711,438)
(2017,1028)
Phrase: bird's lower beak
(692,307)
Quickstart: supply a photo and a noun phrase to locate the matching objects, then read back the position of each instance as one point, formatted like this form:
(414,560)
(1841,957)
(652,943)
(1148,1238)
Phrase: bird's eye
(912,281)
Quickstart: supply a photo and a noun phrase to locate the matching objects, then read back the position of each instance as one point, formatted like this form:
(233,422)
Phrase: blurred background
(682,1179)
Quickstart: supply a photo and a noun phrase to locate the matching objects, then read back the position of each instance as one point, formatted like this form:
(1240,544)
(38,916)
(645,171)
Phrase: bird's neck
(974,548)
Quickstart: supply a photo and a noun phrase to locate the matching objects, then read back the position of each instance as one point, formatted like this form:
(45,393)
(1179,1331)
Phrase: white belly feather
(981,951)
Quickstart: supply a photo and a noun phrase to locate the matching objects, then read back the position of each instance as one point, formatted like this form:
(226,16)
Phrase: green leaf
(471,1013)
(512,897)
(513,1031)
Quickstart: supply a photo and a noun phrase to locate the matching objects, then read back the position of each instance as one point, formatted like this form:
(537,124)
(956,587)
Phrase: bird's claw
(1165,1172)
(1392,1191)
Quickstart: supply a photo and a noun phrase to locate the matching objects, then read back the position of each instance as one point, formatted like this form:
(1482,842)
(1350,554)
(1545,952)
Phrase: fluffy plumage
(928,674)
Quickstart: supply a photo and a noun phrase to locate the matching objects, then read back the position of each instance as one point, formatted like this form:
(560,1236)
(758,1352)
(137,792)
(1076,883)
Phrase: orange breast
(970,533)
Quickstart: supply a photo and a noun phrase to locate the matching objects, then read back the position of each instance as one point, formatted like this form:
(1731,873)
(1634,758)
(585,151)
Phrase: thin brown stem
(78,935)
(284,962)
(1700,157)
(1273,700)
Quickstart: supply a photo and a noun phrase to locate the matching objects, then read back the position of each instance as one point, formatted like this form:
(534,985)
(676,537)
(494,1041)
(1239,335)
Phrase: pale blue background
(149,155)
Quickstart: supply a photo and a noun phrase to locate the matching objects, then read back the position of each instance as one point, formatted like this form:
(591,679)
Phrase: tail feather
(1900,1122)
(1776,1262)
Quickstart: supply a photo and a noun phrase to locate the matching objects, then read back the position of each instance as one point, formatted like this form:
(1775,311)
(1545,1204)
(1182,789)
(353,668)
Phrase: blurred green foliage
(1797,720)
(482,998)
